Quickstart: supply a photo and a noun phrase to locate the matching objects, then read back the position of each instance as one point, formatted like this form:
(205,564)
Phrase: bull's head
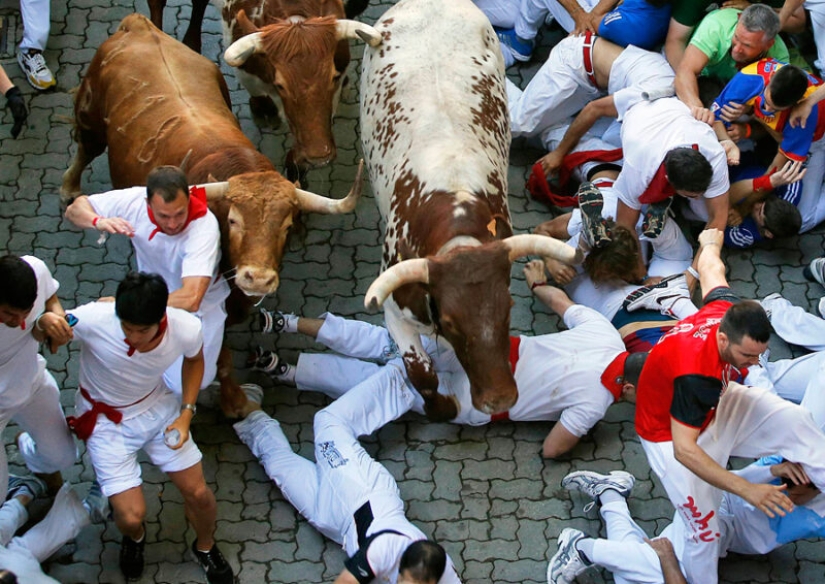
(303,61)
(256,211)
(469,290)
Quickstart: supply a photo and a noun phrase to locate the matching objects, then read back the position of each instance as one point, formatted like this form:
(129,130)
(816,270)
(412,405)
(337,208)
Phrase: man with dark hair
(691,415)
(768,89)
(688,170)
(123,405)
(30,313)
(175,235)
(571,377)
(345,494)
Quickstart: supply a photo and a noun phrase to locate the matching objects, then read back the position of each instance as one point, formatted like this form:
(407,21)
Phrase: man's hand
(14,101)
(791,172)
(769,499)
(702,114)
(115,225)
(732,111)
(662,547)
(534,273)
(734,218)
(181,424)
(731,151)
(800,112)
(551,163)
(711,237)
(55,328)
(561,273)
(791,470)
(582,24)
(738,132)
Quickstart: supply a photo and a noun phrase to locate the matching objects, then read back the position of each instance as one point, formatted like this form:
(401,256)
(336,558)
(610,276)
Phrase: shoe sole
(566,534)
(567,482)
(591,203)
(810,275)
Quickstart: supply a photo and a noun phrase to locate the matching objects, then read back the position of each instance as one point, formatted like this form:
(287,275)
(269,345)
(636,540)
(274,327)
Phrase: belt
(84,425)
(587,50)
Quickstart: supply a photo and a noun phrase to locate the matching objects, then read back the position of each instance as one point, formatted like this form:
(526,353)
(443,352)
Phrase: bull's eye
(232,222)
(279,87)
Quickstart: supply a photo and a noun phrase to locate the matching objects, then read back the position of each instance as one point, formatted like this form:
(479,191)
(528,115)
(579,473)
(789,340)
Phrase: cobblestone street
(482,492)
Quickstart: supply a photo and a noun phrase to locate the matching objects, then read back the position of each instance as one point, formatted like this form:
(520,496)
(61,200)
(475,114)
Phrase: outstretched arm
(605,106)
(553,298)
(709,263)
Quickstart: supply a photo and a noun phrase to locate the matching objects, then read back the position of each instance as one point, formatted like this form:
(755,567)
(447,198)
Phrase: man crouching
(124,406)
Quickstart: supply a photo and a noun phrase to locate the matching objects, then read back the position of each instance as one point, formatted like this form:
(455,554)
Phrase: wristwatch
(192,407)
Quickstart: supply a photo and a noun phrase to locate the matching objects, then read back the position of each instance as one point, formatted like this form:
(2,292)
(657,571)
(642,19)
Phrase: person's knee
(199,496)
(129,515)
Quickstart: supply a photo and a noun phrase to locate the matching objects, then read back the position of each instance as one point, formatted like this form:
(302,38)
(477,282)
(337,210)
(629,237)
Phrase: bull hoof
(441,408)
(234,404)
(264,112)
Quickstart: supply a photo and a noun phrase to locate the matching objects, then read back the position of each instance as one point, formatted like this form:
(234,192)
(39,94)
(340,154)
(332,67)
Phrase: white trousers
(329,491)
(35,15)
(559,90)
(527,16)
(625,552)
(213,322)
(22,555)
(49,445)
(816,11)
(811,203)
(750,422)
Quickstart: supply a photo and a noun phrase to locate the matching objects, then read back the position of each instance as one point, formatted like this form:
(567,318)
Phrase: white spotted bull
(436,138)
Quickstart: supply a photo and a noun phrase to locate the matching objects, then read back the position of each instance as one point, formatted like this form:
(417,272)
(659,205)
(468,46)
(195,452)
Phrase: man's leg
(812,204)
(198,502)
(35,14)
(500,13)
(331,374)
(794,324)
(129,511)
(534,13)
(47,445)
(13,516)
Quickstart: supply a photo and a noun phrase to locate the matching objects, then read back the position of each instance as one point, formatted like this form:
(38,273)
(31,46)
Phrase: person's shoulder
(39,266)
(182,318)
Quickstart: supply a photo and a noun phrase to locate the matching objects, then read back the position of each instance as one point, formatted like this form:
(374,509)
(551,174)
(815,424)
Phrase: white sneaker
(821,307)
(34,66)
(661,297)
(567,563)
(593,484)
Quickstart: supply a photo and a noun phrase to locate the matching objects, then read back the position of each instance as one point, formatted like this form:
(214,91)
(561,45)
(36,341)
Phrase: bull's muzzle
(257,281)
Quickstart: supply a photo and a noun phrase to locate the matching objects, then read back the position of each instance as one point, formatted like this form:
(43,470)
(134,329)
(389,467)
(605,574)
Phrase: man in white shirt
(123,405)
(175,235)
(30,313)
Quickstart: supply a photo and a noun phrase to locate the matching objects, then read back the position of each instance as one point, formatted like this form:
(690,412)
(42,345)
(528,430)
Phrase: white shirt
(649,131)
(20,363)
(110,374)
(634,72)
(193,252)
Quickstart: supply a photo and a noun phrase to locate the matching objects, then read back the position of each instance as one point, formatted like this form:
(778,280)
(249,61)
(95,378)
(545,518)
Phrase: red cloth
(515,342)
(613,376)
(659,188)
(84,425)
(161,330)
(540,189)
(197,209)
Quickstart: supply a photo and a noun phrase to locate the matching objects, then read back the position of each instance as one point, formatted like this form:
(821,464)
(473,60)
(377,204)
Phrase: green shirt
(691,12)
(713,37)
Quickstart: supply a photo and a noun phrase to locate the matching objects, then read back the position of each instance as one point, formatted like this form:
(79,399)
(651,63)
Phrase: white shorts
(113,447)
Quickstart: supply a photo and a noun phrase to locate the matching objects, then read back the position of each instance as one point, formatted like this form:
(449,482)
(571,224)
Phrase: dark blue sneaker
(522,50)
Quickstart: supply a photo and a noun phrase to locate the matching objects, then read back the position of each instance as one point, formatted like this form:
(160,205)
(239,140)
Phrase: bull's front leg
(233,400)
(419,365)
(88,148)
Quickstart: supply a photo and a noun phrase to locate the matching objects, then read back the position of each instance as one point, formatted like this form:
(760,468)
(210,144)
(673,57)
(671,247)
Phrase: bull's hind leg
(233,400)
(192,38)
(89,147)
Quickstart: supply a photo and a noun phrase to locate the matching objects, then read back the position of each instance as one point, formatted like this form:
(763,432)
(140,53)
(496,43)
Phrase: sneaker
(660,297)
(254,393)
(594,484)
(568,562)
(218,570)
(131,557)
(97,504)
(821,307)
(768,301)
(29,486)
(815,271)
(655,218)
(591,203)
(521,49)
(34,66)
(277,322)
(268,362)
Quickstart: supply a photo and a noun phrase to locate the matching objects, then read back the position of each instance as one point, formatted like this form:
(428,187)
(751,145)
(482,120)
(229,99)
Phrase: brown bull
(153,101)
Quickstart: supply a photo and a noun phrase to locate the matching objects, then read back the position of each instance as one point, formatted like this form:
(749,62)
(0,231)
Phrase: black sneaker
(594,225)
(268,362)
(655,218)
(131,557)
(218,570)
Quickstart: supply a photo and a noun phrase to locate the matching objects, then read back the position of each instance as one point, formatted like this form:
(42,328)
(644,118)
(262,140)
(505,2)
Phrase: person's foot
(660,297)
(521,49)
(96,504)
(269,362)
(34,67)
(815,271)
(567,563)
(218,570)
(593,484)
(131,557)
(272,321)
(655,218)
(594,226)
(29,486)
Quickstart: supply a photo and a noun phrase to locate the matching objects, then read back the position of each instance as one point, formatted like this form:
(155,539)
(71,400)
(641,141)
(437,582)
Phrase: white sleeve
(720,183)
(193,339)
(579,314)
(86,316)
(580,418)
(118,203)
(384,554)
(628,186)
(46,284)
(203,248)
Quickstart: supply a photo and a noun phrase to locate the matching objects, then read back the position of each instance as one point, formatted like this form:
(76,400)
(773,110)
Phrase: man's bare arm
(678,36)
(687,86)
(189,296)
(82,214)
(590,114)
(709,263)
(667,559)
(346,577)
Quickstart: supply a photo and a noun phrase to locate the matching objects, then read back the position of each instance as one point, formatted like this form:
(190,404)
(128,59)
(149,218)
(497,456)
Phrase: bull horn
(243,48)
(311,203)
(215,190)
(352,29)
(542,245)
(414,271)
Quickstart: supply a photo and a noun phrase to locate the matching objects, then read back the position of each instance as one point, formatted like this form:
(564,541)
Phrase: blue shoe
(522,50)
(28,485)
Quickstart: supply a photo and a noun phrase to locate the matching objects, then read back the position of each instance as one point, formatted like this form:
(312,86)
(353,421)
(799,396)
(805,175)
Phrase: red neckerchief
(197,209)
(659,188)
(161,330)
(540,189)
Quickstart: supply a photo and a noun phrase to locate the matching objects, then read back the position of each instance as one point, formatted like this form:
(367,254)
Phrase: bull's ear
(503,230)
(246,25)
(211,178)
